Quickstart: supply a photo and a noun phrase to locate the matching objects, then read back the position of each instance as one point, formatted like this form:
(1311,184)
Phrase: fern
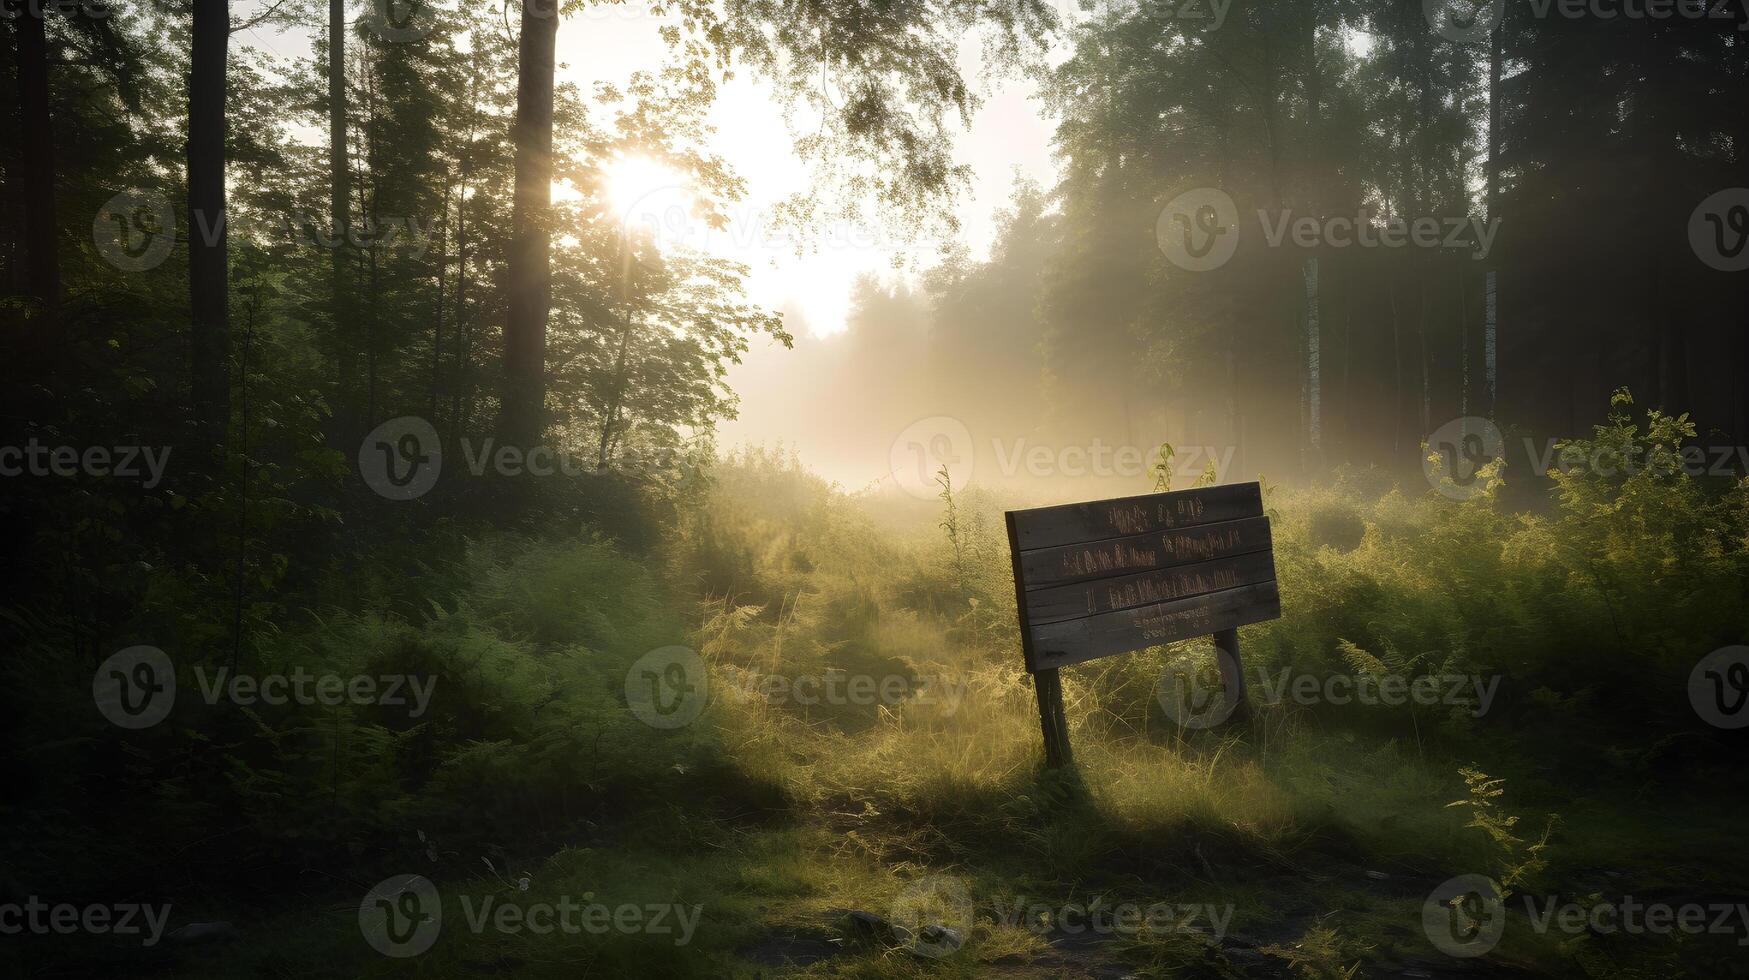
(1520,860)
(1360,661)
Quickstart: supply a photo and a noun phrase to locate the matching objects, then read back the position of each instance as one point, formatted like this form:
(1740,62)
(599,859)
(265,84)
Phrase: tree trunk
(209,346)
(370,221)
(37,184)
(1314,366)
(1397,373)
(460,380)
(462,341)
(437,324)
(1491,324)
(338,175)
(529,275)
(616,398)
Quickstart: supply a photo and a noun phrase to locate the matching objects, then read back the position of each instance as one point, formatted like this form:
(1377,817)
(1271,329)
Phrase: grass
(1319,829)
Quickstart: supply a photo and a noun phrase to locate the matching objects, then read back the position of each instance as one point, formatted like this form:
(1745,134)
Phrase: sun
(640,188)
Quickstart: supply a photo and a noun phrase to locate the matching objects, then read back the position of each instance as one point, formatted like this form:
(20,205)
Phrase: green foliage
(1320,954)
(1519,860)
(950,525)
(527,748)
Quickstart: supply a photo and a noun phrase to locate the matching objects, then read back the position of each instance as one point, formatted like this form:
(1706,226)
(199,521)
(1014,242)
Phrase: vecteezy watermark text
(1465,916)
(39,9)
(136,230)
(136,688)
(1474,20)
(402,459)
(846,688)
(572,916)
(127,462)
(927,446)
(329,690)
(933,914)
(1193,694)
(37,917)
(402,916)
(1199,230)
(1101,917)
(1456,455)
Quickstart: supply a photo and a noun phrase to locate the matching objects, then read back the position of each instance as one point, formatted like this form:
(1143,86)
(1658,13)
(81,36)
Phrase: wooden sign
(1112,576)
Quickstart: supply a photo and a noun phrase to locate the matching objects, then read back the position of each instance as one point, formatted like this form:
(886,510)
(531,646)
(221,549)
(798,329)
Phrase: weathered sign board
(1112,576)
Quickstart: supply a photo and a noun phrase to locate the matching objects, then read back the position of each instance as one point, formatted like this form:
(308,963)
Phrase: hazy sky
(608,43)
(777,395)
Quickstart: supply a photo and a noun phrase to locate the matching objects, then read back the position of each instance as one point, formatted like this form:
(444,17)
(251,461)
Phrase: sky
(609,42)
(1008,134)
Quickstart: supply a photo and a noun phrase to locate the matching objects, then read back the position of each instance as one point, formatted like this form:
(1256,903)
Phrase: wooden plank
(1049,688)
(1051,527)
(1020,599)
(1149,588)
(1077,640)
(1140,552)
(1232,673)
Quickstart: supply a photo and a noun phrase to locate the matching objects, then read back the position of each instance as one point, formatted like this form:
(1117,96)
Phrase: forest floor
(913,832)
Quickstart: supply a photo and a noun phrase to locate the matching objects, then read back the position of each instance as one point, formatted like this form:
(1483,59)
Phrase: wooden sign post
(1113,576)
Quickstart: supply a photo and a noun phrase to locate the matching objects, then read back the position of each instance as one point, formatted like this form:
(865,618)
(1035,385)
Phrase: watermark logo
(135,230)
(1206,15)
(1463,458)
(918,454)
(1718,230)
(135,688)
(1192,689)
(926,446)
(1718,687)
(1465,916)
(367,233)
(1199,229)
(840,688)
(1455,457)
(575,915)
(1391,690)
(40,918)
(401,459)
(398,21)
(42,9)
(1187,15)
(934,914)
(676,216)
(1470,21)
(628,11)
(1566,456)
(36,459)
(310,690)
(1463,21)
(1101,917)
(668,687)
(401,916)
(1455,233)
(1631,916)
